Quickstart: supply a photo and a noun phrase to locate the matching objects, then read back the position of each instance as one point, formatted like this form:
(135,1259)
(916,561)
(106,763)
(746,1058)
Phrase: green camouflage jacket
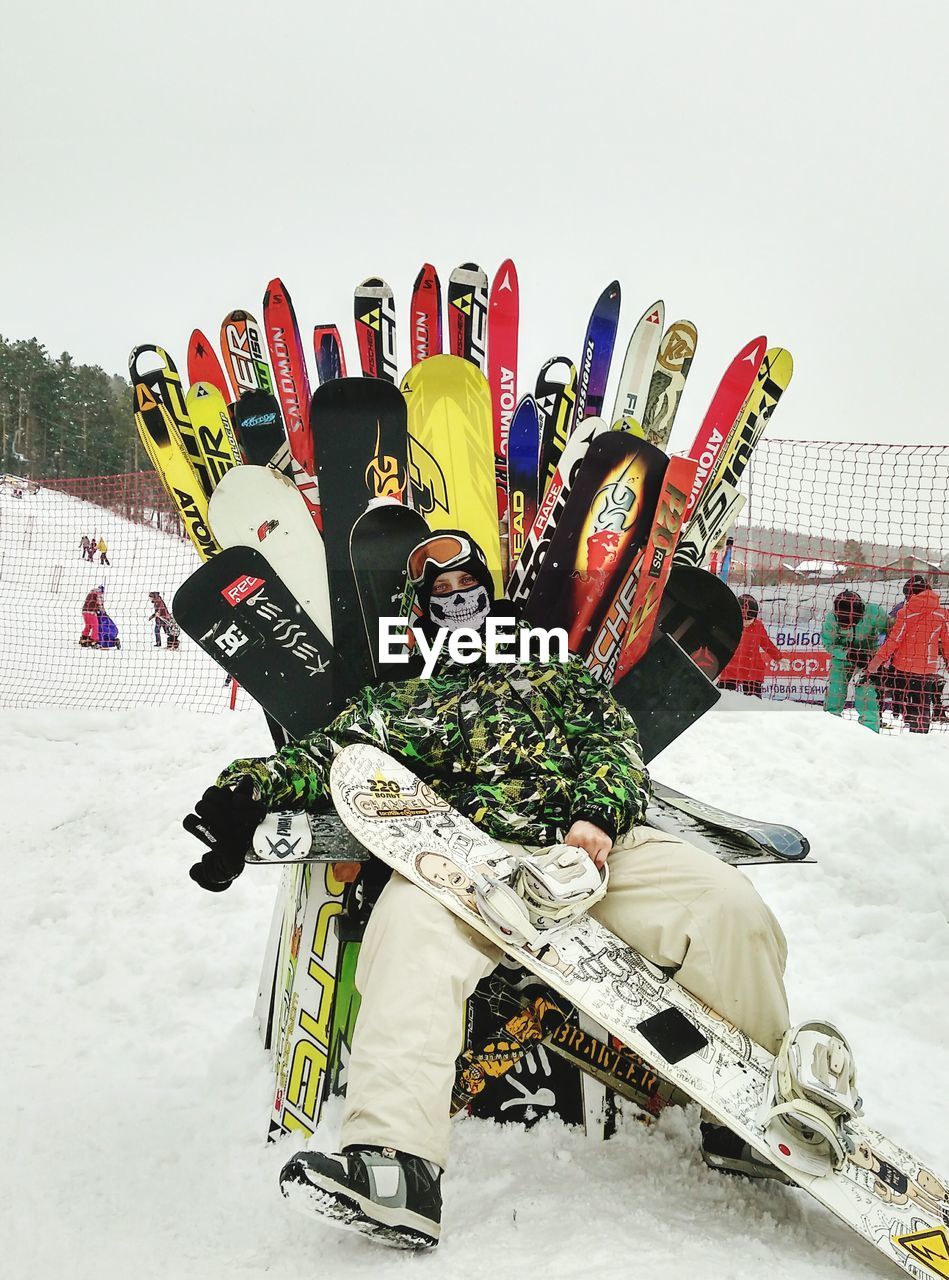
(523,750)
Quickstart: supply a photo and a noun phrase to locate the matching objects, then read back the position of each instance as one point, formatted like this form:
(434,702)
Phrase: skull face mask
(467,608)
(451,560)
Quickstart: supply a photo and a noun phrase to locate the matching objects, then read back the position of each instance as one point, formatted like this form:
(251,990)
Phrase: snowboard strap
(812,1094)
(559,884)
(502,907)
(529,894)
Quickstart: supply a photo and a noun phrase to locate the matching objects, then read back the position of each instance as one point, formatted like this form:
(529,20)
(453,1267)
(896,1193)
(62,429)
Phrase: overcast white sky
(761,169)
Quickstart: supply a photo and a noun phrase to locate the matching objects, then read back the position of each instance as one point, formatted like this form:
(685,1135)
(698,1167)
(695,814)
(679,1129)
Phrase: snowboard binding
(812,1093)
(529,894)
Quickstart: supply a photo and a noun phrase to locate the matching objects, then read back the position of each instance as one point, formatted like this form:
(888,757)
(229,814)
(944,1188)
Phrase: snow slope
(136,1093)
(43,582)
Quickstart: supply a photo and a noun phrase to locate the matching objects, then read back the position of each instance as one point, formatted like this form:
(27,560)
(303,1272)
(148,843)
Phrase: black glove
(225,819)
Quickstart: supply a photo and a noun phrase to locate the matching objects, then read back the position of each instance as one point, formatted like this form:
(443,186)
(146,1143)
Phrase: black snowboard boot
(727,1152)
(393,1197)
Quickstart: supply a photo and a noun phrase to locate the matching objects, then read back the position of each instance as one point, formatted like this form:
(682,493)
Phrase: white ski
(636,377)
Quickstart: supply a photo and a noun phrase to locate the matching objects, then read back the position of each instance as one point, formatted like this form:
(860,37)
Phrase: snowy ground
(136,1093)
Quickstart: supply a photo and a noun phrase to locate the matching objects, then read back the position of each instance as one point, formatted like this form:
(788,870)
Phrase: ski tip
(427,277)
(753,350)
(275,292)
(782,358)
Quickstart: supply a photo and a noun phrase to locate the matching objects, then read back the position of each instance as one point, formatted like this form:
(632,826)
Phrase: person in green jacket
(536,754)
(851,634)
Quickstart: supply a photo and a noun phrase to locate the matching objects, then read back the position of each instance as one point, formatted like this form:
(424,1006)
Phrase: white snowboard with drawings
(881,1191)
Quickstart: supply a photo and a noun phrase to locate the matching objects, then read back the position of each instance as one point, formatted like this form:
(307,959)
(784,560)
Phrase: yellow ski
(213,430)
(167,451)
(720,502)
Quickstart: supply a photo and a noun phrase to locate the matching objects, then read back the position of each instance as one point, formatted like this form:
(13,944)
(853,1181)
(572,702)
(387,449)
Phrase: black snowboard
(260,431)
(702,614)
(361,437)
(664,692)
(773,840)
(379,547)
(239,612)
(505,1074)
(607,517)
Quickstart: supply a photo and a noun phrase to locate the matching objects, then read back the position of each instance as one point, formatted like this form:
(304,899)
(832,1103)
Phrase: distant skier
(91,609)
(850,634)
(534,753)
(161,616)
(917,642)
(103,552)
(756,652)
(84,546)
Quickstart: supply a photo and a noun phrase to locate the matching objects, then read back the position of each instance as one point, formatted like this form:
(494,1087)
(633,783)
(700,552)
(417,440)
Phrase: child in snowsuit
(918,639)
(755,649)
(102,548)
(91,608)
(163,622)
(534,753)
(850,635)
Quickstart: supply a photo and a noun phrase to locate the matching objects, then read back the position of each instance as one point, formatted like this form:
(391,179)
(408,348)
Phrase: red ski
(290,375)
(204,366)
(426,317)
(727,402)
(503,310)
(328,350)
(654,568)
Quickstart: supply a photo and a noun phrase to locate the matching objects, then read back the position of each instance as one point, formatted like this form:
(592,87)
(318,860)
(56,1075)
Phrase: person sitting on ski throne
(536,754)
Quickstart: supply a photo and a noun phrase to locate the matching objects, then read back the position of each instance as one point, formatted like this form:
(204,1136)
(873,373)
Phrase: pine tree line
(59,418)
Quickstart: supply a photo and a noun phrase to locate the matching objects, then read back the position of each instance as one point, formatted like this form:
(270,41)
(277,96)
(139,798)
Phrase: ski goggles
(444,551)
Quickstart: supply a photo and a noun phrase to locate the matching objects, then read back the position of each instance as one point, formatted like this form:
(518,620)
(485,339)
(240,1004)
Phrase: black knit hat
(914,585)
(749,605)
(849,608)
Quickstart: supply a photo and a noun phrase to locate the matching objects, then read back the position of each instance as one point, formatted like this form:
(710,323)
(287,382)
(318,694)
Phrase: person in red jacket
(920,637)
(91,608)
(750,660)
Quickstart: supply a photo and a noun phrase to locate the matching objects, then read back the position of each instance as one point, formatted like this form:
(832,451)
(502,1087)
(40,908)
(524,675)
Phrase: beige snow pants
(680,907)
